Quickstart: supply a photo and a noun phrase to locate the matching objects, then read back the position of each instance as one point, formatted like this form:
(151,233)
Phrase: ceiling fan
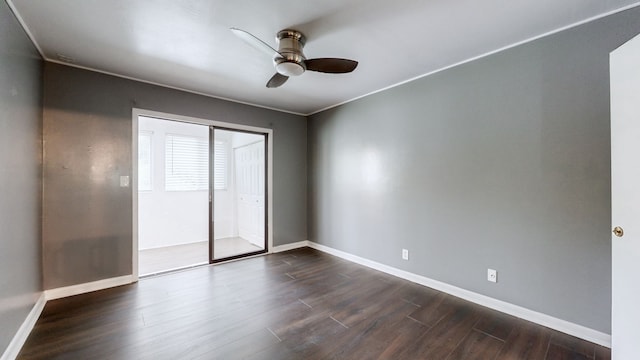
(289,60)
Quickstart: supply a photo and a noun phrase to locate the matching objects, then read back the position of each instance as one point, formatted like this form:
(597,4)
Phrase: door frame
(267,225)
(135,112)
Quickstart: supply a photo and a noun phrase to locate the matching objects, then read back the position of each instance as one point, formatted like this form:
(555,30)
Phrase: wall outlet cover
(492,275)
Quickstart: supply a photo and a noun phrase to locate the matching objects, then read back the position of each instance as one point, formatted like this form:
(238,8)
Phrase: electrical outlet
(492,275)
(405,254)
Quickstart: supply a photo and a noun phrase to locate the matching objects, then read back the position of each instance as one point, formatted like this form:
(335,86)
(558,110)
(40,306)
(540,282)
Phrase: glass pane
(144,161)
(239,207)
(186,162)
(173,219)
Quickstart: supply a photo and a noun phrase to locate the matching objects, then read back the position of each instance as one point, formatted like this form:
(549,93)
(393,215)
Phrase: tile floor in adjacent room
(153,261)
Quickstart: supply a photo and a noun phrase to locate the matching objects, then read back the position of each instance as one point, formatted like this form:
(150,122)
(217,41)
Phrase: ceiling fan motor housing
(290,59)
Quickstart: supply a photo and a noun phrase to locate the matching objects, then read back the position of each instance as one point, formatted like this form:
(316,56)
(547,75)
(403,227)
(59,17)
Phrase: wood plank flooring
(301,304)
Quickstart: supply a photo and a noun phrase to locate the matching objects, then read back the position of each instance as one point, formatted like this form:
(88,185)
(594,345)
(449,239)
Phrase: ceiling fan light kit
(289,68)
(289,59)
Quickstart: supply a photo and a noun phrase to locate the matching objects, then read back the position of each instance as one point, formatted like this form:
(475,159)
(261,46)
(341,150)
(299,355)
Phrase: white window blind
(186,163)
(144,161)
(220,159)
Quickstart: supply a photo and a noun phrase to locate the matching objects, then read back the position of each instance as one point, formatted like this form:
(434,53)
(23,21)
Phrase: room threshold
(173,270)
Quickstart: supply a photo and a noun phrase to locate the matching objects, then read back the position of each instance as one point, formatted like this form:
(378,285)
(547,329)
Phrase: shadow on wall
(94,254)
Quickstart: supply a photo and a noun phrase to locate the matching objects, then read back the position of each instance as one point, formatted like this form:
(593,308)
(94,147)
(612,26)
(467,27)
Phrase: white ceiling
(187,44)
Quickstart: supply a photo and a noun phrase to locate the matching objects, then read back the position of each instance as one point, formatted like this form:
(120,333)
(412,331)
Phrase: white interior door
(625,198)
(249,163)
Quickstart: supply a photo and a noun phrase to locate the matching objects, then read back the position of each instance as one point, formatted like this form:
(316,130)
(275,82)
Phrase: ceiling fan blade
(331,65)
(254,41)
(277,80)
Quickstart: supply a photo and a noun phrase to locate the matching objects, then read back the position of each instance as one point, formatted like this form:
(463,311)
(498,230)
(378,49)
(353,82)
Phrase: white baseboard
(176,244)
(23,332)
(564,326)
(62,292)
(287,247)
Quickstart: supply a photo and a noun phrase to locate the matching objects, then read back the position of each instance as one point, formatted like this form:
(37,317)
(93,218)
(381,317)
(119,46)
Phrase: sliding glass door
(173,195)
(238,201)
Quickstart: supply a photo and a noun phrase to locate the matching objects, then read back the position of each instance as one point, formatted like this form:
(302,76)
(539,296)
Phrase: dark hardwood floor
(301,304)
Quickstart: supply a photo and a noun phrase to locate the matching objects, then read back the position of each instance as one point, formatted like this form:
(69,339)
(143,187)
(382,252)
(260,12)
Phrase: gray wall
(20,175)
(500,163)
(87,222)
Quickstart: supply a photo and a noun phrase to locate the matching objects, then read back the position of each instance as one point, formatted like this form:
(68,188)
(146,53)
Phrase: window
(186,163)
(144,161)
(220,159)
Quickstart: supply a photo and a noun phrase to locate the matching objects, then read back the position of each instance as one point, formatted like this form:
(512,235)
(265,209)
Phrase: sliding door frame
(267,237)
(269,140)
